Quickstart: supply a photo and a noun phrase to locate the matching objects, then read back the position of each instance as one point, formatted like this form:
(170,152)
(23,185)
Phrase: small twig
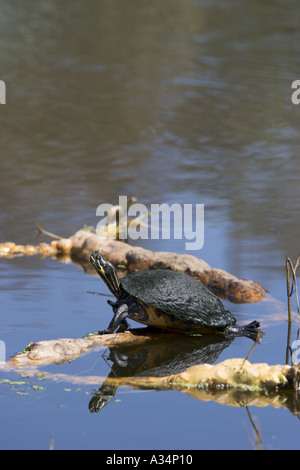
(288,347)
(294,287)
(45,232)
(253,346)
(288,264)
(259,442)
(290,290)
(99,293)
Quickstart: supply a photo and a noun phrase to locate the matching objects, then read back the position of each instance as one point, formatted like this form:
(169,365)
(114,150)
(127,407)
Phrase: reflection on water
(167,357)
(178,101)
(158,358)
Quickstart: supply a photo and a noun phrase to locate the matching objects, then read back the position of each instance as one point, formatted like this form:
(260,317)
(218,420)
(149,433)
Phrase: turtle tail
(252,330)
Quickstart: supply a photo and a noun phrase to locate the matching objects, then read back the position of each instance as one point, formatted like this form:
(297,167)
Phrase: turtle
(167,300)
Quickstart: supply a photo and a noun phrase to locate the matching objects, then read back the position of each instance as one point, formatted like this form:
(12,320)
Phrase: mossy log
(238,374)
(233,382)
(61,350)
(83,243)
(245,385)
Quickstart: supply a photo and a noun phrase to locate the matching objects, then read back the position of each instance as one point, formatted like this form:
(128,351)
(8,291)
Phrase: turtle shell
(183,300)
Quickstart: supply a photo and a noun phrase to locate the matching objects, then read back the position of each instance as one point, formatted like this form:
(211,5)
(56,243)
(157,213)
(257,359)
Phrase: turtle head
(107,272)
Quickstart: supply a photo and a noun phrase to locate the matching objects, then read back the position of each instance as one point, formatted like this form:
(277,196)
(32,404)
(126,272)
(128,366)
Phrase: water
(186,102)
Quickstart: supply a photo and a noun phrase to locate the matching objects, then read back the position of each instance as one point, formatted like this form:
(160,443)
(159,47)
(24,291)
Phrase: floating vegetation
(37,387)
(12,382)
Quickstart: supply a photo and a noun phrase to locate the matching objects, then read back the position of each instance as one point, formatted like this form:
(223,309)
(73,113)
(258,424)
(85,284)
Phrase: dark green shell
(180,297)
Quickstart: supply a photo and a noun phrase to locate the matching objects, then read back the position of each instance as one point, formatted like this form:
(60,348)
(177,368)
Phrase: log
(278,392)
(231,373)
(83,243)
(61,350)
(236,373)
(232,382)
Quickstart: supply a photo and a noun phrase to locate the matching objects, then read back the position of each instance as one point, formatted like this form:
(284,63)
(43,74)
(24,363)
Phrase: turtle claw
(104,332)
(123,327)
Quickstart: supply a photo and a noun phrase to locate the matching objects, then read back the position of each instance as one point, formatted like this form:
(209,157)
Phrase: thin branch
(293,288)
(45,232)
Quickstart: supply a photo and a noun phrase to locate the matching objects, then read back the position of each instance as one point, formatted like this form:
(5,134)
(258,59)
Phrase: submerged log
(83,243)
(276,387)
(237,373)
(61,350)
(232,382)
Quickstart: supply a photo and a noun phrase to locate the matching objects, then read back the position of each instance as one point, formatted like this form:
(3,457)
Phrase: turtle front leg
(119,318)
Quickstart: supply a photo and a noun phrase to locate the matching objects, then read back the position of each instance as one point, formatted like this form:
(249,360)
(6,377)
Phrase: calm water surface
(186,102)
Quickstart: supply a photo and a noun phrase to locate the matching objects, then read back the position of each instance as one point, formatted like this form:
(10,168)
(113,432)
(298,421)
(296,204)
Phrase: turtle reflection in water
(168,300)
(160,357)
